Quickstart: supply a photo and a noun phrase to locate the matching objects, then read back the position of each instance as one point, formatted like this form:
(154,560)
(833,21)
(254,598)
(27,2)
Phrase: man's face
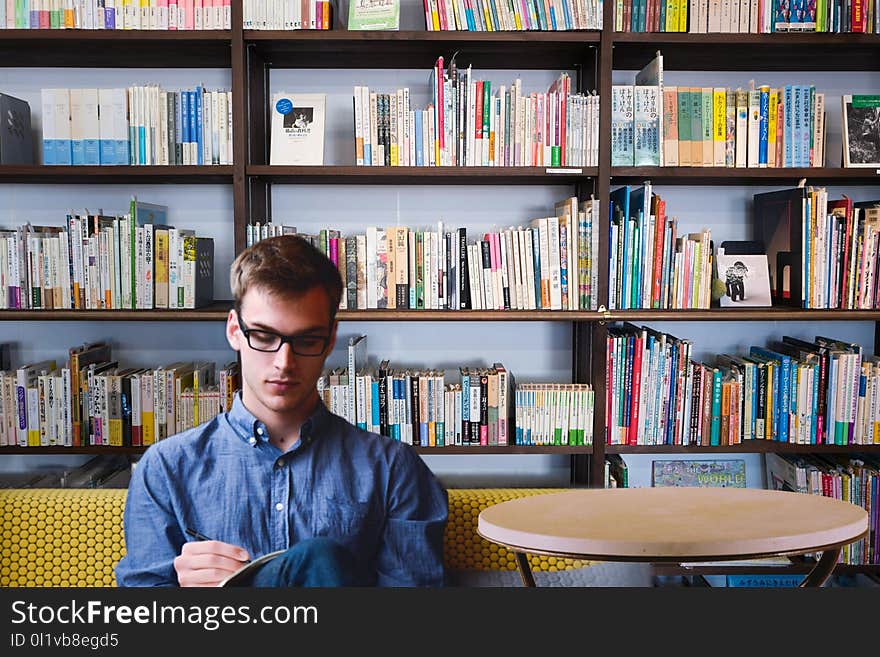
(281,382)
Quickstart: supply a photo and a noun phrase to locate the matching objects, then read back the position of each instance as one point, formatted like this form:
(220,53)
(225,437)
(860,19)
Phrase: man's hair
(286,265)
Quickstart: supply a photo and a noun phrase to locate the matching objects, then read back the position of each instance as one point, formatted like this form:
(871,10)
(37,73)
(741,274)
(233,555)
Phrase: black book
(464,284)
(382,375)
(16,139)
(414,414)
(351,272)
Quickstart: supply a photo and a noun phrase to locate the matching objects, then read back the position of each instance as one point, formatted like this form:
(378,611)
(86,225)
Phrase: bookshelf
(592,57)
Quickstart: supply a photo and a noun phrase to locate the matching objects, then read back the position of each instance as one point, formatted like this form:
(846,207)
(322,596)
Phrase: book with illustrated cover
(297,129)
(861,130)
(374,15)
(705,474)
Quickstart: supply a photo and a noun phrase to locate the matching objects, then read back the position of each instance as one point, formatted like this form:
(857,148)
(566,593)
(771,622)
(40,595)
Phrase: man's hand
(207,563)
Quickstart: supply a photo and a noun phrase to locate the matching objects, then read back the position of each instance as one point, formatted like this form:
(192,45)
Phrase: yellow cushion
(60,537)
(74,537)
(466,550)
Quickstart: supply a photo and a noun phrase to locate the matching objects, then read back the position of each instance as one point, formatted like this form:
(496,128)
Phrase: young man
(279,471)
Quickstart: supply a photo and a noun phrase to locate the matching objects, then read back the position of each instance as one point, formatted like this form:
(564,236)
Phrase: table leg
(823,568)
(525,571)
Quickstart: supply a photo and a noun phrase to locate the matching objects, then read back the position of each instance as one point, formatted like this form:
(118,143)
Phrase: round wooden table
(674,524)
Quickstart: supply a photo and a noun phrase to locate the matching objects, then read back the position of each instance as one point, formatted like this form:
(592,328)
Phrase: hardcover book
(16,141)
(861,131)
(703,474)
(297,129)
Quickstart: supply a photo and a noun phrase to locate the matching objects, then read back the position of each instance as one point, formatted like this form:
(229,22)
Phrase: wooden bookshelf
(747,447)
(355,175)
(60,175)
(511,449)
(213,313)
(790,51)
(95,450)
(744,176)
(420,49)
(772,314)
(117,48)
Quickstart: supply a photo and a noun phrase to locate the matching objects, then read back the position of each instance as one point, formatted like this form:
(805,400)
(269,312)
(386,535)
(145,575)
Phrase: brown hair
(285,265)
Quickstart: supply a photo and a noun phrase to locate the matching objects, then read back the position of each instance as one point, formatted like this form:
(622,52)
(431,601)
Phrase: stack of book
(795,391)
(650,265)
(116,15)
(746,16)
(142,125)
(830,248)
(135,261)
(487,16)
(288,15)
(417,406)
(91,400)
(855,480)
(554,414)
(653,124)
(470,122)
(550,264)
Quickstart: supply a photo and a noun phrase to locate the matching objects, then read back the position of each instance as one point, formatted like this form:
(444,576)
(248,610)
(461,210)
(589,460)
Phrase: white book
(754,127)
(358,128)
(47,103)
(297,129)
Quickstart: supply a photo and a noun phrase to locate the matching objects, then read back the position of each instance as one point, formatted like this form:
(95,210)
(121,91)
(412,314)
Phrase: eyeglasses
(270,342)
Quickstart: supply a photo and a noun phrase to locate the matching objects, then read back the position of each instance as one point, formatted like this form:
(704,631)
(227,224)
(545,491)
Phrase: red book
(632,434)
(659,234)
(478,123)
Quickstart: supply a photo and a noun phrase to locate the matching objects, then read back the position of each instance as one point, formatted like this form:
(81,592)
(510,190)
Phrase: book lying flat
(249,569)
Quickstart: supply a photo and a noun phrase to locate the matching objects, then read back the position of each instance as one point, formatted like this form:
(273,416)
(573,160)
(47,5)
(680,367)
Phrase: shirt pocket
(346,521)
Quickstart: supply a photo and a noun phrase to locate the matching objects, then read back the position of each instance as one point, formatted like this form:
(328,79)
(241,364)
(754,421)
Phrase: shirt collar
(253,430)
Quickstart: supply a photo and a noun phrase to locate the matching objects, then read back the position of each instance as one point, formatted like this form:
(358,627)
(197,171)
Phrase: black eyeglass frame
(289,339)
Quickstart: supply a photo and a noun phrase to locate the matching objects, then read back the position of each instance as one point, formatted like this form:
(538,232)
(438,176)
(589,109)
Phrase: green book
(374,15)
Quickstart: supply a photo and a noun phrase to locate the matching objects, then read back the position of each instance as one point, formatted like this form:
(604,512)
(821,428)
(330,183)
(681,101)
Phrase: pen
(196,535)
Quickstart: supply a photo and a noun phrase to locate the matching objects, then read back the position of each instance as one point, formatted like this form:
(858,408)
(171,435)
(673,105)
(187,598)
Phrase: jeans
(314,562)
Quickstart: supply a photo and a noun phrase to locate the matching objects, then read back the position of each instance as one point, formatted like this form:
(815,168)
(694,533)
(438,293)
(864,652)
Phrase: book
(297,129)
(249,569)
(374,15)
(861,130)
(16,141)
(699,473)
(746,280)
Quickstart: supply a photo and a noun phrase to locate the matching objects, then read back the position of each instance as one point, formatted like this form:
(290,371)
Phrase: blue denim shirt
(225,480)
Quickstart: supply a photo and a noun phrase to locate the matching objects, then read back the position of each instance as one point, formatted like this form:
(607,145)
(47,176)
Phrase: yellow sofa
(73,537)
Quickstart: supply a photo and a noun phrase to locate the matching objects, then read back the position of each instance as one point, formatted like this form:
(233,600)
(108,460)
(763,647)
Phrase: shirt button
(279,507)
(279,463)
(252,441)
(260,431)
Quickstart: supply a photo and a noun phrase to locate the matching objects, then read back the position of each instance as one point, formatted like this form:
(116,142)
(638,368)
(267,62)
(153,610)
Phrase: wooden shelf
(774,314)
(117,48)
(60,175)
(734,176)
(511,449)
(801,568)
(749,52)
(473,450)
(354,175)
(72,450)
(420,49)
(213,313)
(468,315)
(747,447)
